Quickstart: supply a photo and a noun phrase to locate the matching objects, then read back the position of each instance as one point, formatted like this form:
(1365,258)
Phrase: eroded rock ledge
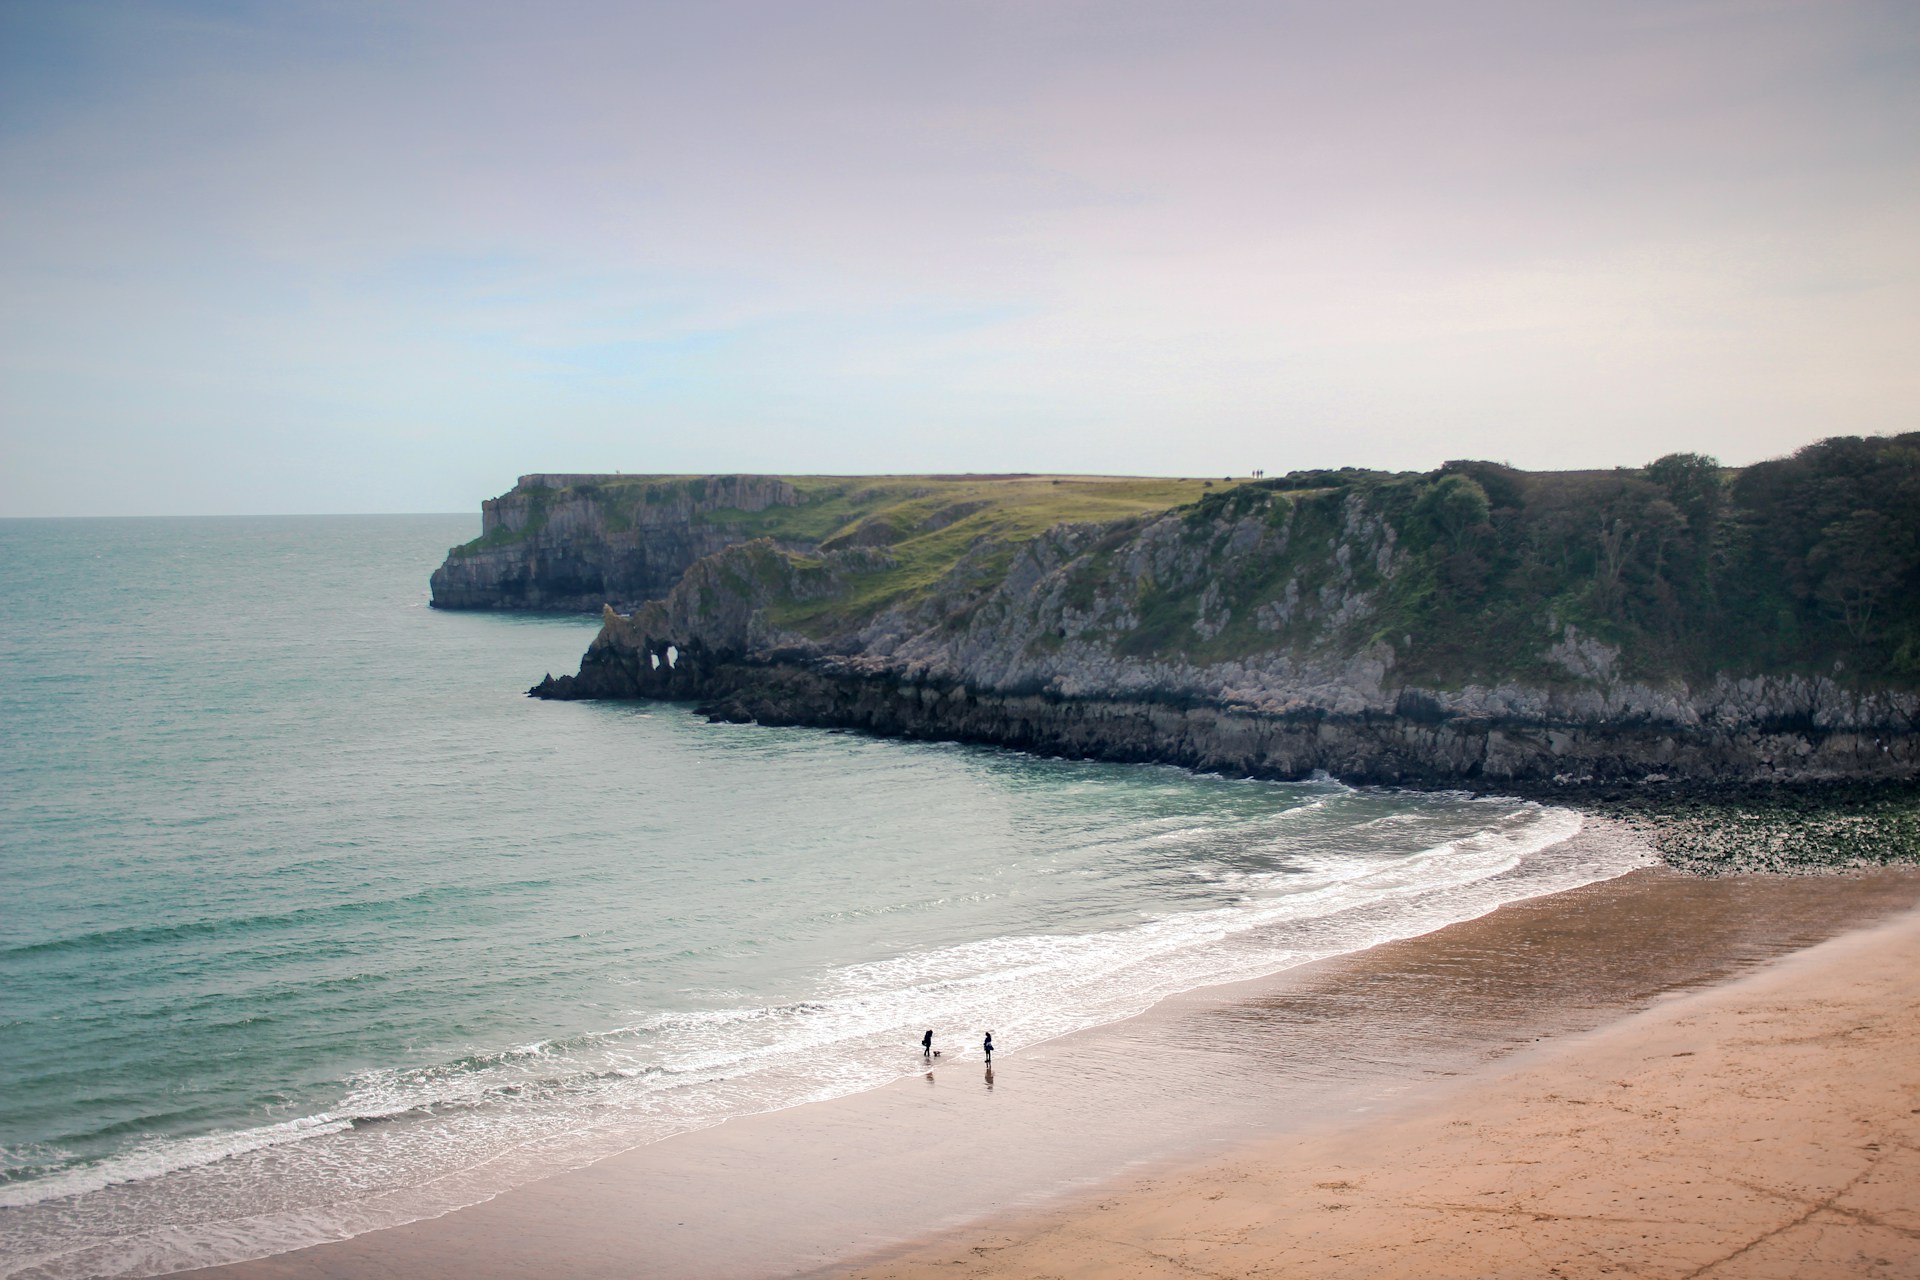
(1428,746)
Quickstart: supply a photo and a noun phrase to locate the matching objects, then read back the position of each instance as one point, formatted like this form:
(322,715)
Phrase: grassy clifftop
(930,512)
(926,523)
(1806,564)
(939,534)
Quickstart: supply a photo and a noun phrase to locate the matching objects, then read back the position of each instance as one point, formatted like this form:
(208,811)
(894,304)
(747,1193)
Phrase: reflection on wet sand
(1762,1127)
(1477,990)
(814,1186)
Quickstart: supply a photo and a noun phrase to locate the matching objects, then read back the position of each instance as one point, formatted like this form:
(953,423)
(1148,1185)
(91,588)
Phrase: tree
(1455,505)
(1692,482)
(1857,564)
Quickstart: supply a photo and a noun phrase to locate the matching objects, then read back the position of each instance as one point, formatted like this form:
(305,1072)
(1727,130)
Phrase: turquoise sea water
(311,922)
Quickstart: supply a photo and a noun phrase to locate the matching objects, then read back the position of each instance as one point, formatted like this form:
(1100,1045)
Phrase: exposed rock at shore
(1369,741)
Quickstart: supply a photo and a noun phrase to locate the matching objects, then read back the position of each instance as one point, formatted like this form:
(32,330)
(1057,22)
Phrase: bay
(311,922)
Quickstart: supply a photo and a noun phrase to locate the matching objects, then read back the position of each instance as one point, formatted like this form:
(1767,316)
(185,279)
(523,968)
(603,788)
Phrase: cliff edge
(572,543)
(1473,624)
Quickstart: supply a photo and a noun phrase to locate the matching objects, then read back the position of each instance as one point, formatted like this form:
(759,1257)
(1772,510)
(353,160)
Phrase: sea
(312,923)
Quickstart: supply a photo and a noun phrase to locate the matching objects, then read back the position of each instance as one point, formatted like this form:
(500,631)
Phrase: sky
(345,257)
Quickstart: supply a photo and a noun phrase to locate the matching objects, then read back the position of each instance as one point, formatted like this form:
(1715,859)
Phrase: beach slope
(1766,1128)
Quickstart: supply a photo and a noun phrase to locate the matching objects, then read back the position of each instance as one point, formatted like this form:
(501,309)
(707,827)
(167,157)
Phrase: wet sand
(1766,1128)
(1404,1030)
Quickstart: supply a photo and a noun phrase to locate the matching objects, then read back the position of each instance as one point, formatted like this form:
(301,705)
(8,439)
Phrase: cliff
(1474,624)
(571,543)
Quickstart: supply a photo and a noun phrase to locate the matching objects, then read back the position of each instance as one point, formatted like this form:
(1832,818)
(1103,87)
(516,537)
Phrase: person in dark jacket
(926,1044)
(987,1045)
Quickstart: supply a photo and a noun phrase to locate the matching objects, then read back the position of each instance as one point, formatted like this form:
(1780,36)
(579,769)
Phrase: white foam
(466,1130)
(167,1155)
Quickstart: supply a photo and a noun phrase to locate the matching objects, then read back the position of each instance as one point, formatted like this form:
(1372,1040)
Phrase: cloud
(437,245)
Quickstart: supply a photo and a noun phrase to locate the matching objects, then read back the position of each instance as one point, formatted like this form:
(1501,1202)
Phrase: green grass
(908,516)
(838,506)
(926,525)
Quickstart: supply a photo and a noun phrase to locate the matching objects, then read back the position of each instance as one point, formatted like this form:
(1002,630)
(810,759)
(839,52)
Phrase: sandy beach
(1766,1128)
(1321,600)
(1649,1074)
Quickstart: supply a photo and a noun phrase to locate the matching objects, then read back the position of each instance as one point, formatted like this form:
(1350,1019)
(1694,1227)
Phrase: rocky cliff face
(572,543)
(1262,634)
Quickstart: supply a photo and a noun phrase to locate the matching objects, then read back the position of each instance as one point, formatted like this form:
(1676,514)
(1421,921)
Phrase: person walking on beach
(987,1045)
(926,1045)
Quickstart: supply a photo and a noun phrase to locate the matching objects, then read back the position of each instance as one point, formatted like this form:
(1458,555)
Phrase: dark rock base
(1382,749)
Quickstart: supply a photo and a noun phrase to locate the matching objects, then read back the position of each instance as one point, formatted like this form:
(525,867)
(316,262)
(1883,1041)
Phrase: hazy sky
(293,256)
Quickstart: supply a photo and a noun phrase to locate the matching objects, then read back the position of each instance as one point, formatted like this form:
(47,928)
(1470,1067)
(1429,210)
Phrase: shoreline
(1765,1126)
(812,1187)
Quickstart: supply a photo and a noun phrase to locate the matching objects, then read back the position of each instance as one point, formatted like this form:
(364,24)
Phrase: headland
(1478,626)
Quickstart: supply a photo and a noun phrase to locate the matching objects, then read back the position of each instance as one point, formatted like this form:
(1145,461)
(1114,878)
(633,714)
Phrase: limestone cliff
(1474,624)
(572,543)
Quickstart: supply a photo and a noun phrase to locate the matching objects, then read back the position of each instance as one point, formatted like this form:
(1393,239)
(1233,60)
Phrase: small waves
(435,1136)
(138,936)
(154,1159)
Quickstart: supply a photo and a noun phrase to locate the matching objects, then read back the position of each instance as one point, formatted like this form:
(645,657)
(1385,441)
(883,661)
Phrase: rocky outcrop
(572,543)
(1207,734)
(1056,653)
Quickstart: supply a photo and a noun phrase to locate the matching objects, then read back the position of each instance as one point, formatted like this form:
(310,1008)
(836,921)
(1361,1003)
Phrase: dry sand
(1765,1128)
